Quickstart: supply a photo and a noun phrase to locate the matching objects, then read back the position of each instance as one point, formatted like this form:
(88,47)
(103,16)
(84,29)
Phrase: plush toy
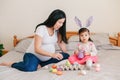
(81,54)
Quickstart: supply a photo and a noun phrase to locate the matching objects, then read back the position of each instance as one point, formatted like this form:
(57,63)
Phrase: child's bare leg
(6,63)
(89,64)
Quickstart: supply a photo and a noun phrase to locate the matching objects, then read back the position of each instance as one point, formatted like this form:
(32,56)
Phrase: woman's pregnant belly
(49,48)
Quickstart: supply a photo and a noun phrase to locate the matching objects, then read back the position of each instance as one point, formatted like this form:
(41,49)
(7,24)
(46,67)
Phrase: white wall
(21,16)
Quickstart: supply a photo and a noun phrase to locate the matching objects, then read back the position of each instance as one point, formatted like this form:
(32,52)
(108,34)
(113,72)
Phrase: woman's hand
(57,56)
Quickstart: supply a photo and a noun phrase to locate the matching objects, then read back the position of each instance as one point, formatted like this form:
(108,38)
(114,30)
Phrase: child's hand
(76,52)
(86,53)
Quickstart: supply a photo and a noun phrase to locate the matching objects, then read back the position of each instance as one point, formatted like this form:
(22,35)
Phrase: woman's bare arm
(39,50)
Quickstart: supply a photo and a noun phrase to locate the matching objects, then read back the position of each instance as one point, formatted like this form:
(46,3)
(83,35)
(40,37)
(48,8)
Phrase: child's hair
(81,30)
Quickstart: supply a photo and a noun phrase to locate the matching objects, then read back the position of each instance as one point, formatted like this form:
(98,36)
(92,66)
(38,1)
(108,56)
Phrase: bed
(108,53)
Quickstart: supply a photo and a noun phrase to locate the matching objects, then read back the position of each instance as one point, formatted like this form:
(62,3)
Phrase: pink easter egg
(97,69)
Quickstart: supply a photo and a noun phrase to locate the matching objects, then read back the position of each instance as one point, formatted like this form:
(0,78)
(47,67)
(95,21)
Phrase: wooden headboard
(114,40)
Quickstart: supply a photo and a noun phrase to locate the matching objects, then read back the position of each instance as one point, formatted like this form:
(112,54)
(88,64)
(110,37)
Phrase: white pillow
(100,39)
(71,46)
(23,45)
(74,38)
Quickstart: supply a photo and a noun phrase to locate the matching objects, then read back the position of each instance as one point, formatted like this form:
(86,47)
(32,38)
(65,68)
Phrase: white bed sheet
(108,59)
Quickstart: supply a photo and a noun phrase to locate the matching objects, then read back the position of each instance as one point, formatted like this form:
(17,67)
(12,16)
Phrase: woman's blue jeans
(30,62)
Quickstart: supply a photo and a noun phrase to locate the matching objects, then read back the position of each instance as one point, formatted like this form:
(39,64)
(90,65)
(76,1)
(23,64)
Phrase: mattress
(108,59)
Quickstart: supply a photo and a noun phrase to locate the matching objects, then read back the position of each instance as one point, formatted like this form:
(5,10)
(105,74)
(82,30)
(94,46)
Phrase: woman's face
(59,23)
(84,36)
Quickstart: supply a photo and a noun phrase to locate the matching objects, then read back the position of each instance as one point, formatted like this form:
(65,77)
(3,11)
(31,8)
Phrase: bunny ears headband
(88,22)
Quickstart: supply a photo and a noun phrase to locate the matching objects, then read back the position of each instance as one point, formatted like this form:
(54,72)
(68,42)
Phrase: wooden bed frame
(114,40)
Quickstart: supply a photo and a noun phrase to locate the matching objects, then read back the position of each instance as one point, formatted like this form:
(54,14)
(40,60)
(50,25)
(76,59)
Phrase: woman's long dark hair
(52,19)
(84,30)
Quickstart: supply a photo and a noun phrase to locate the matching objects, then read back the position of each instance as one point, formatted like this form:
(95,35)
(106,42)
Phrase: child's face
(84,37)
